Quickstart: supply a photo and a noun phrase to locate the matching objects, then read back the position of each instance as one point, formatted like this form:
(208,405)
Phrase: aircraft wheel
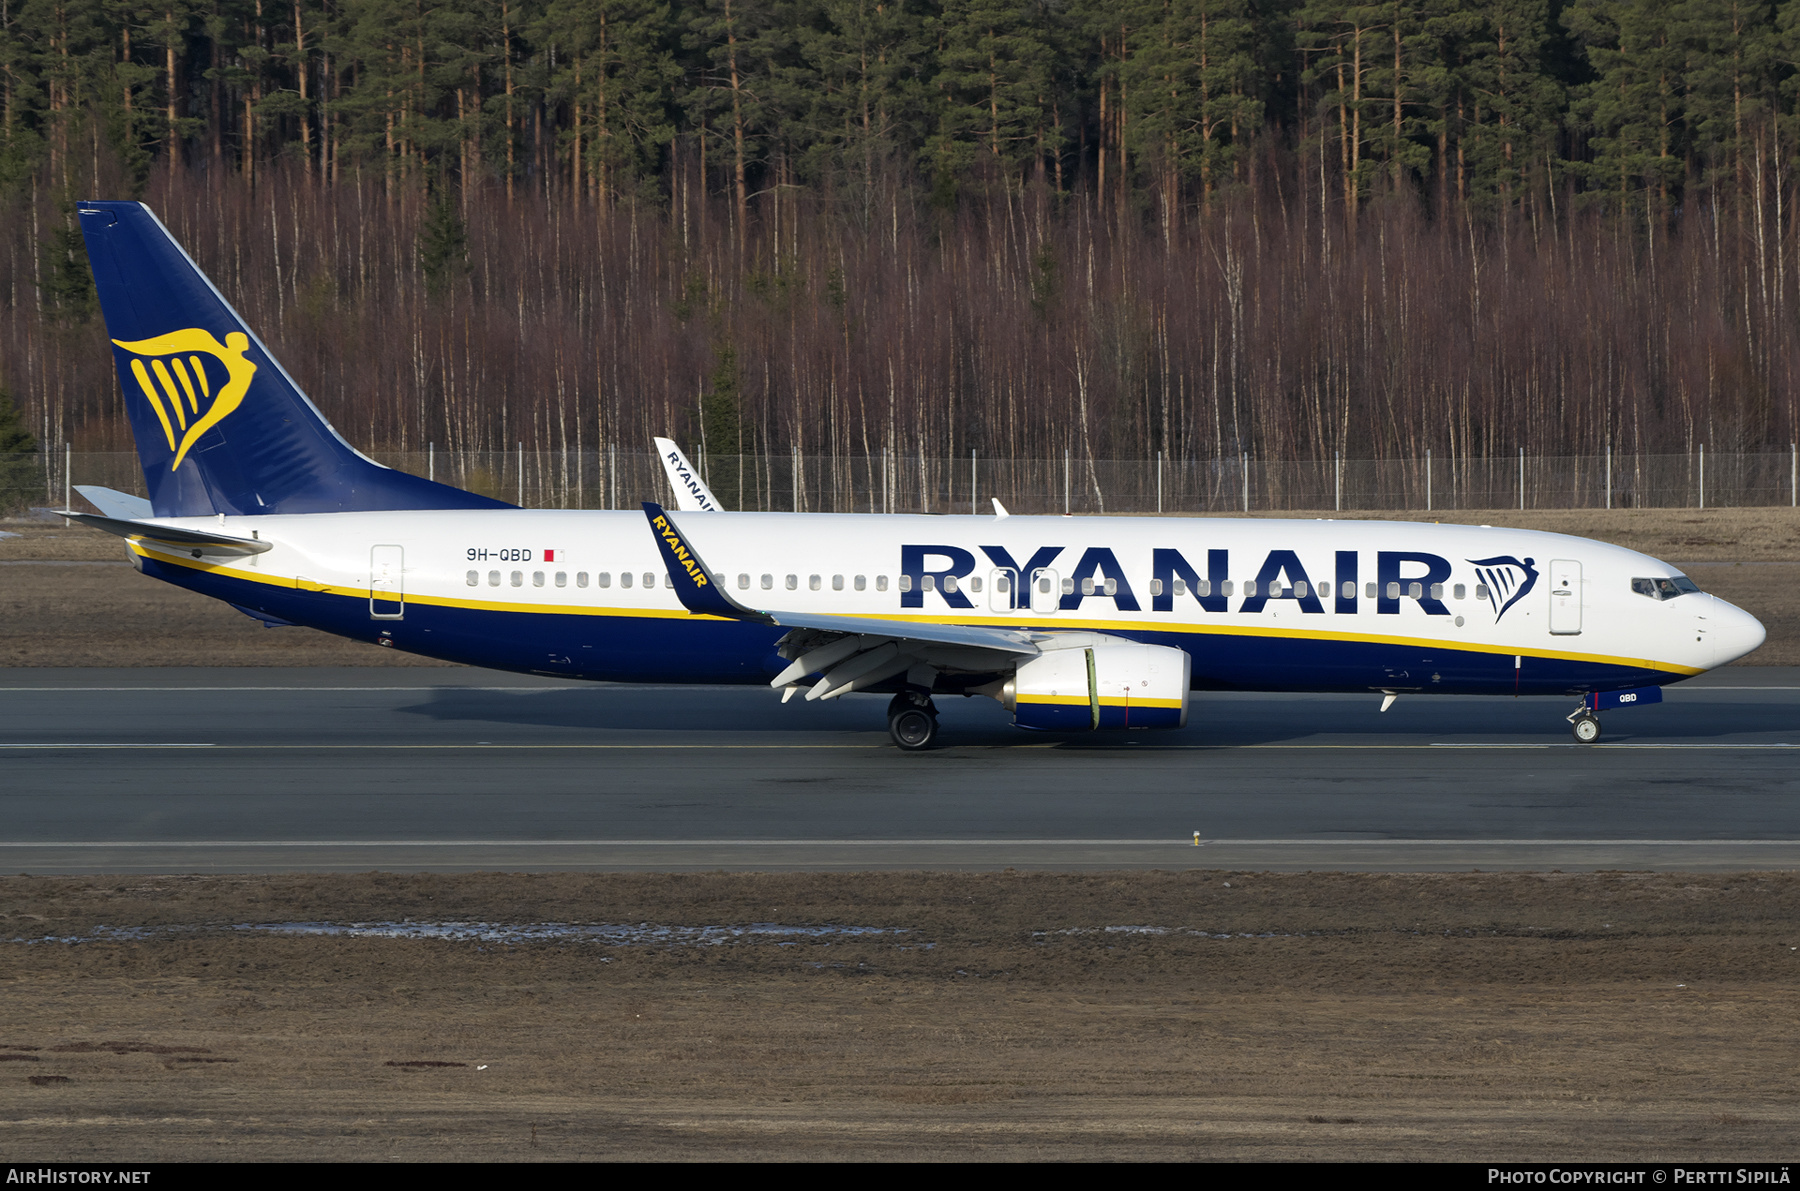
(1587,728)
(913,728)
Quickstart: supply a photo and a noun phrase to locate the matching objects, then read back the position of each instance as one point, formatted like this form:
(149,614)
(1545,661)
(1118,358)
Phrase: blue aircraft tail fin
(220,427)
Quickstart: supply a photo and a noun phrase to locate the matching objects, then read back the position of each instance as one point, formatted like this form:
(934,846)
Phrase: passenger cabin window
(1068,586)
(580,578)
(624,578)
(1225,587)
(768,582)
(1437,591)
(881,583)
(1415,590)
(906,583)
(1369,590)
(1460,591)
(813,583)
(1348,590)
(743,583)
(793,582)
(1249,587)
(1003,583)
(474,578)
(493,578)
(975,583)
(1087,587)
(1156,586)
(562,578)
(1300,589)
(537,578)
(603,579)
(861,583)
(518,578)
(837,583)
(1481,591)
(949,582)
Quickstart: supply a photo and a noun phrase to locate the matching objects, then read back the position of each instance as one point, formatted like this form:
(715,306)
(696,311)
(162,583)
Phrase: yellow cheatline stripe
(168,386)
(143,379)
(187,384)
(1113,701)
(1125,626)
(1057,700)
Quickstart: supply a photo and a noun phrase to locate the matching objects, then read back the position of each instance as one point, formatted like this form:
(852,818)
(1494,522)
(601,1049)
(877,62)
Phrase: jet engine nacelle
(1109,684)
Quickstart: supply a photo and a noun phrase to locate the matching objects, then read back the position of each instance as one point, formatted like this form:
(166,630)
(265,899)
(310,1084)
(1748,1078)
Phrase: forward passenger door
(1565,597)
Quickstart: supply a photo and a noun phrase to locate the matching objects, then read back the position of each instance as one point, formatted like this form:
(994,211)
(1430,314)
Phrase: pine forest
(1281,229)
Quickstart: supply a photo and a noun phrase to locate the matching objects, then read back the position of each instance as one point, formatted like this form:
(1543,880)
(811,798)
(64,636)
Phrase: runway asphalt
(213,770)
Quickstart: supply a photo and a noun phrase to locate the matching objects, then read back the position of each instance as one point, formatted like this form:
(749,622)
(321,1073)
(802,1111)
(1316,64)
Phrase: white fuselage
(1258,603)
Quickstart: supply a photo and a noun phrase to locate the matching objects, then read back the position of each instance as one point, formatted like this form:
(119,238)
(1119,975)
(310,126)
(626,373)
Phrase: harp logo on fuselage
(1508,580)
(191,380)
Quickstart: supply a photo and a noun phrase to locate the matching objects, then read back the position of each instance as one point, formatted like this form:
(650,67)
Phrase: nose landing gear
(912,720)
(1586,726)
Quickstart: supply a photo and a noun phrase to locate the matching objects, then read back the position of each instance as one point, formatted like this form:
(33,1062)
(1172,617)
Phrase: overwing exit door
(1002,596)
(1565,597)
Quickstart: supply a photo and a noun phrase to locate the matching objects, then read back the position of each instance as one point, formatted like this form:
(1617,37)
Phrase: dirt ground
(105,614)
(1542,1017)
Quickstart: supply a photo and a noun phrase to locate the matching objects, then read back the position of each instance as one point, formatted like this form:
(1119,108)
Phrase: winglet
(691,493)
(694,584)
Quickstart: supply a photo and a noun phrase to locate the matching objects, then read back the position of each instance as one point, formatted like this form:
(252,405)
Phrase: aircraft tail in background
(691,493)
(220,426)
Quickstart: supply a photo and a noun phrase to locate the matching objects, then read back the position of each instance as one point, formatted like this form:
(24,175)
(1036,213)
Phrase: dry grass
(1491,1016)
(111,616)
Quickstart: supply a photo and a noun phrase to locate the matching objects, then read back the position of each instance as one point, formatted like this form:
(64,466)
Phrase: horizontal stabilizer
(194,541)
(113,503)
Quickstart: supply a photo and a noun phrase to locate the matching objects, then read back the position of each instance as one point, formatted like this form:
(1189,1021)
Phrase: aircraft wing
(691,493)
(849,652)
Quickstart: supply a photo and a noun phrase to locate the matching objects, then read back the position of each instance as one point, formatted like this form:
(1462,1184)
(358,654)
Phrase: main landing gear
(912,720)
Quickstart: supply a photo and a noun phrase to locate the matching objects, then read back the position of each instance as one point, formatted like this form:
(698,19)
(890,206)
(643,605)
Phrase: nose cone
(1734,632)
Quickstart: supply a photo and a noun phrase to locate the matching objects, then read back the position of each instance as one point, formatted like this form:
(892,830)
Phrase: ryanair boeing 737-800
(1071,623)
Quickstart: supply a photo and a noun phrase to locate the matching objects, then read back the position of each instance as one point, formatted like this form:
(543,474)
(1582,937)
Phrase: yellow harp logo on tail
(178,387)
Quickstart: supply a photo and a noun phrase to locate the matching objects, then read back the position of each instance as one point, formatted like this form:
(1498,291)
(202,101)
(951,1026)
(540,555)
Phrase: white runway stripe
(1183,842)
(1083,745)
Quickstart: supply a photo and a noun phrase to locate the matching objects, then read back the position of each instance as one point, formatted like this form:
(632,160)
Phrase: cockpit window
(1664,589)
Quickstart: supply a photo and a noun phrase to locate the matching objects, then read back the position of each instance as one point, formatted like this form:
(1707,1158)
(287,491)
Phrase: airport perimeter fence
(620,479)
